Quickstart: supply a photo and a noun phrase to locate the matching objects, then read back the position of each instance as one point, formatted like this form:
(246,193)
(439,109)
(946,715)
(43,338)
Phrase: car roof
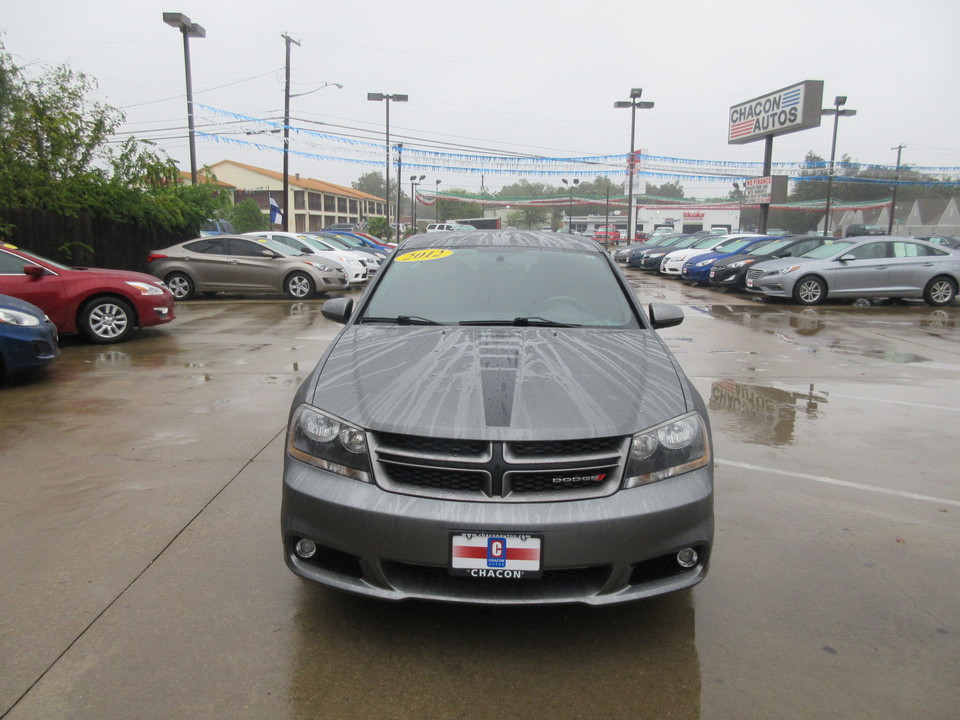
(501,238)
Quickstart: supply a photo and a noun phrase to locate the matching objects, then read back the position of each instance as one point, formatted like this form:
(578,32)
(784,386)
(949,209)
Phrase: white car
(350,260)
(672,262)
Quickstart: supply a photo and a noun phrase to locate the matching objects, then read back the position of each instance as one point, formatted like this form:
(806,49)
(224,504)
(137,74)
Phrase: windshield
(768,248)
(279,247)
(499,286)
(707,242)
(828,249)
(732,246)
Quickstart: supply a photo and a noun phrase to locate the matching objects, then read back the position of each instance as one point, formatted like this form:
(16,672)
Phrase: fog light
(685,558)
(308,548)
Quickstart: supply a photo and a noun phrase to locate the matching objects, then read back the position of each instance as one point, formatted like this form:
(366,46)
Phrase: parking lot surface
(142,573)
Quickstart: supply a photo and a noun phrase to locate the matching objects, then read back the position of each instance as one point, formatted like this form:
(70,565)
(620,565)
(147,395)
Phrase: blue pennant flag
(276,216)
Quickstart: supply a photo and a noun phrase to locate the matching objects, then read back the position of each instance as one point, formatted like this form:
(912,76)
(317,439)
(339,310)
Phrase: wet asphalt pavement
(141,574)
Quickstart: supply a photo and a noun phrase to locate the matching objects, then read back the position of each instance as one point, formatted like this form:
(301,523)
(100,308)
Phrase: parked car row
(809,269)
(298,264)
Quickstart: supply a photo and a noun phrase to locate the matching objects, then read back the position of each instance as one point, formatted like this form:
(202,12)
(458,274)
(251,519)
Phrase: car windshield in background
(828,250)
(768,248)
(733,245)
(518,285)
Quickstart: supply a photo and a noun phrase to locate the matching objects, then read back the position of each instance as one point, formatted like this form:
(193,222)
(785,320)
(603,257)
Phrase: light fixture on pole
(189,30)
(381,97)
(633,103)
(437,200)
(414,184)
(571,184)
(838,102)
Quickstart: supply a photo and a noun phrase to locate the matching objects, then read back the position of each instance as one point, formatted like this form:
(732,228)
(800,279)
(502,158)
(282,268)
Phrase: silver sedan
(889,267)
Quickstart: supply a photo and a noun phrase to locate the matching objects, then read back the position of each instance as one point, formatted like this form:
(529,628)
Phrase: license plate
(496,555)
(749,282)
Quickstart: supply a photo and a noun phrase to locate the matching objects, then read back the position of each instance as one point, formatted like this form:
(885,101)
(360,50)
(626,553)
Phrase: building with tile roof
(314,204)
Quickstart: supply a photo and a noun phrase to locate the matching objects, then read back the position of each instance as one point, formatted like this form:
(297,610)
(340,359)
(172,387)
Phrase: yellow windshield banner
(427,254)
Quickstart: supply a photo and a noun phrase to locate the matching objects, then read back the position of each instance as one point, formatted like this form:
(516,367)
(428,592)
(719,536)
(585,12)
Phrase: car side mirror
(847,258)
(338,309)
(269,254)
(33,270)
(664,316)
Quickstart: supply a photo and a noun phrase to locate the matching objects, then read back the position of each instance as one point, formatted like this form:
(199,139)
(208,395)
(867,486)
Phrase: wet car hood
(495,383)
(776,264)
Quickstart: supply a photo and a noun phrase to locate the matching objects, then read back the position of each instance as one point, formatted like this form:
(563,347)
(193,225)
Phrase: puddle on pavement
(765,415)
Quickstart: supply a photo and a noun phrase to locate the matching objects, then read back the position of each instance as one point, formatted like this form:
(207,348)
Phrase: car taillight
(155,256)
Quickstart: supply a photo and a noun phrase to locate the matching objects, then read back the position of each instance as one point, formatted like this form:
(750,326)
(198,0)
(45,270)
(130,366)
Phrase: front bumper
(595,551)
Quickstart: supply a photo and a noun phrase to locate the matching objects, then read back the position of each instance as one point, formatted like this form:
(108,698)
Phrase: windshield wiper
(400,320)
(532,321)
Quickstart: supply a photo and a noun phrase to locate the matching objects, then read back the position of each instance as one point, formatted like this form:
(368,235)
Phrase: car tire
(810,290)
(107,320)
(181,286)
(299,286)
(940,291)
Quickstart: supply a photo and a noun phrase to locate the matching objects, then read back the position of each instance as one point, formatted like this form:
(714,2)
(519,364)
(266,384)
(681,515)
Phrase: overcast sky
(515,76)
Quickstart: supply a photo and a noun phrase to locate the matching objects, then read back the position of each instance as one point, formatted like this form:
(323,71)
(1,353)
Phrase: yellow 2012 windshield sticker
(427,254)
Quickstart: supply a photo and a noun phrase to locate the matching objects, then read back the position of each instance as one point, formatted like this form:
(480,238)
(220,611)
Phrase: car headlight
(739,263)
(145,288)
(786,270)
(704,263)
(656,255)
(671,448)
(320,266)
(21,319)
(327,442)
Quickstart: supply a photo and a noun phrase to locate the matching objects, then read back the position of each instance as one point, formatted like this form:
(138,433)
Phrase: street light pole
(633,104)
(414,183)
(437,200)
(893,202)
(838,102)
(380,97)
(572,183)
(189,30)
(286,137)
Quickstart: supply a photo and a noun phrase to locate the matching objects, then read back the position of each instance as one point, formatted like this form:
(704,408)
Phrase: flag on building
(276,216)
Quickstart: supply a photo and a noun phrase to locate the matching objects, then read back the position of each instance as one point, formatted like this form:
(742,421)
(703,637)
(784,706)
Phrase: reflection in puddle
(766,415)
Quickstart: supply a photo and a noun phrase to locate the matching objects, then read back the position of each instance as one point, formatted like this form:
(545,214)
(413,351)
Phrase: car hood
(773,265)
(683,255)
(108,274)
(491,383)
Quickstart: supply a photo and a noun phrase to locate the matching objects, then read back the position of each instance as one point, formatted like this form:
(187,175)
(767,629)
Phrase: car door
(45,291)
(866,273)
(254,266)
(207,261)
(912,266)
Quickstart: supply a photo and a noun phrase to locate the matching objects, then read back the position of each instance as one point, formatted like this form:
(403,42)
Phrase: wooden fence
(84,241)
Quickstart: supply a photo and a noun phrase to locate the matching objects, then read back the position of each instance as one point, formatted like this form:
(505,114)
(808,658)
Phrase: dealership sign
(769,189)
(785,111)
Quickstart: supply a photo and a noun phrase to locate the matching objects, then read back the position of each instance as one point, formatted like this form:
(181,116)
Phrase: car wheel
(180,285)
(940,291)
(106,320)
(300,286)
(809,290)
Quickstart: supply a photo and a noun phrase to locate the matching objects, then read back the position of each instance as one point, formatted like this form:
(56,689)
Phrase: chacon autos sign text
(784,111)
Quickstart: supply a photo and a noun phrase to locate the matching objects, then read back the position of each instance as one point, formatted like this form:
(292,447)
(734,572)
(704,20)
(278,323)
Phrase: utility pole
(893,203)
(286,138)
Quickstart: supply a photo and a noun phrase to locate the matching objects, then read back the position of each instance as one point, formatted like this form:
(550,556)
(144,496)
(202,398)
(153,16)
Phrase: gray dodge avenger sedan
(499,422)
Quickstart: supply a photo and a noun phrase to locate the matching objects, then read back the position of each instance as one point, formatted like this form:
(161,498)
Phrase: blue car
(28,340)
(697,269)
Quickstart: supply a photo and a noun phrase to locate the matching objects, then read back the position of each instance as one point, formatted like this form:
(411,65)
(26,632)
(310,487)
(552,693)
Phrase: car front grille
(481,471)
(754,273)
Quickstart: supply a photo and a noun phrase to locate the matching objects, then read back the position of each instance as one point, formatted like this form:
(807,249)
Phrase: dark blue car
(697,269)
(28,340)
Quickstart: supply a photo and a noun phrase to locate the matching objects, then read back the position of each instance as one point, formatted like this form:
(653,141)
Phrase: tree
(672,190)
(528,217)
(372,183)
(246,216)
(55,155)
(451,209)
